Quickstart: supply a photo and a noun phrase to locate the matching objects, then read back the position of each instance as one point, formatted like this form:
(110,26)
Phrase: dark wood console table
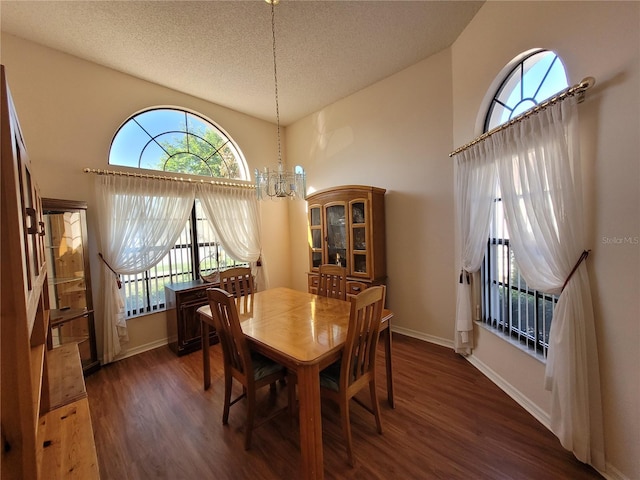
(183,323)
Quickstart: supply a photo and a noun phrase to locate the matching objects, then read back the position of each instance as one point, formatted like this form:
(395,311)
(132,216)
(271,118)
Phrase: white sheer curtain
(538,165)
(234,215)
(474,192)
(140,220)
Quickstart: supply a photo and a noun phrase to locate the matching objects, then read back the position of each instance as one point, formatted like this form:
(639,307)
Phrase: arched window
(175,140)
(178,141)
(509,305)
(533,79)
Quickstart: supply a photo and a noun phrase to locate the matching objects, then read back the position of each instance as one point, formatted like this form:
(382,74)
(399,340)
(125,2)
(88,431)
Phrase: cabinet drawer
(313,282)
(191,296)
(354,288)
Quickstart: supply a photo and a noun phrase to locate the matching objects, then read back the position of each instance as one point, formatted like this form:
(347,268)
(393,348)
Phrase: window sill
(515,343)
(145,314)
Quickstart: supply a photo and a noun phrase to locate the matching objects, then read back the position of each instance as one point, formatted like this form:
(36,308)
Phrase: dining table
(305,333)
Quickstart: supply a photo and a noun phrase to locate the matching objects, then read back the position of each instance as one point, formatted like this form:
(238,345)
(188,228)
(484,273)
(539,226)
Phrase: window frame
(152,137)
(144,292)
(507,75)
(195,260)
(534,337)
(495,280)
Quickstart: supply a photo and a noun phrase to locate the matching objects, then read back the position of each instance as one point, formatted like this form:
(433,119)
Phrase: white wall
(599,39)
(69,110)
(395,135)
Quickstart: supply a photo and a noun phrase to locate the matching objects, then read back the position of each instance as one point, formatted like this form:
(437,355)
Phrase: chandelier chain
(279,182)
(275,77)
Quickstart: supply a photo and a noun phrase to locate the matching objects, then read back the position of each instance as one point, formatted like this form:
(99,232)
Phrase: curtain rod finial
(588,82)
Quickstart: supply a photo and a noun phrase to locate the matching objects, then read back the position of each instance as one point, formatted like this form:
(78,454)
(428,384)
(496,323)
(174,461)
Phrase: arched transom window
(175,140)
(538,76)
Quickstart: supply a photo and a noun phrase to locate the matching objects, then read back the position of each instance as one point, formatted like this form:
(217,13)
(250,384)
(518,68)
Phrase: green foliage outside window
(202,152)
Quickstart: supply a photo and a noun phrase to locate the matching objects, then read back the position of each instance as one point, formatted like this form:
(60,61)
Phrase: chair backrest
(333,281)
(235,349)
(238,281)
(359,355)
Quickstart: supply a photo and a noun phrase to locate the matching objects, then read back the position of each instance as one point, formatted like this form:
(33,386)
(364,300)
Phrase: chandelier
(279,182)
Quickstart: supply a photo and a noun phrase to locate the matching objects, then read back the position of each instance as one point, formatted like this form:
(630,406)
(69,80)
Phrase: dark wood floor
(152,419)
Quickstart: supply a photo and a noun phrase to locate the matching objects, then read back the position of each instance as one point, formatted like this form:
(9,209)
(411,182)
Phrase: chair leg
(388,362)
(375,405)
(228,380)
(346,428)
(248,426)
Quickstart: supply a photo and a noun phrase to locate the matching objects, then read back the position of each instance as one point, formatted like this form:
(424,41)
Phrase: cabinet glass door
(315,229)
(68,280)
(359,237)
(32,222)
(336,235)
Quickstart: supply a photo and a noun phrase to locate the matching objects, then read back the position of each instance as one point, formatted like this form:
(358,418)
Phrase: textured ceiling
(221,51)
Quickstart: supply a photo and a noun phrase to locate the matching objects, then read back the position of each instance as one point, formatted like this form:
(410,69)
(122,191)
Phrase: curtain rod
(99,171)
(577,89)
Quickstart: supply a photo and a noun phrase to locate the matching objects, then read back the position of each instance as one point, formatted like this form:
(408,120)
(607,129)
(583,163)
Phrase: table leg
(310,422)
(206,360)
(387,355)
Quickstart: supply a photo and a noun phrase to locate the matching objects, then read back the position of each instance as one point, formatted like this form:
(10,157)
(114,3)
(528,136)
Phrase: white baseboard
(140,349)
(443,342)
(613,473)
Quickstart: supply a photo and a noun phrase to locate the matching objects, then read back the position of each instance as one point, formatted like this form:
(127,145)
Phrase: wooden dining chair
(238,281)
(251,369)
(353,289)
(357,367)
(333,281)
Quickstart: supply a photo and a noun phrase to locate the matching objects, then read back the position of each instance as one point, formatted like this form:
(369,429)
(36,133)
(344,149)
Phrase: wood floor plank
(152,419)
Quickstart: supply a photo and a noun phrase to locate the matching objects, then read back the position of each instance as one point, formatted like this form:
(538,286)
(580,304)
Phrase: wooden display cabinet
(24,306)
(69,279)
(347,227)
(46,426)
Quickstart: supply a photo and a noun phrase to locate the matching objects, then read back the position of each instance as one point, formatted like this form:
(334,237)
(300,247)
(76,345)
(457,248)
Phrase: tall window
(509,305)
(175,140)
